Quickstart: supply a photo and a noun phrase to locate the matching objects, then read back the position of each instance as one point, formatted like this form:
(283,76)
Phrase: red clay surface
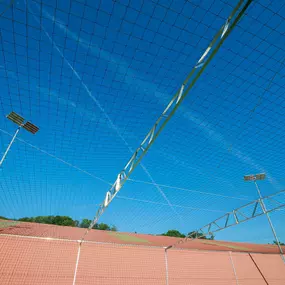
(29,260)
(126,265)
(272,267)
(200,268)
(246,271)
(42,230)
(32,261)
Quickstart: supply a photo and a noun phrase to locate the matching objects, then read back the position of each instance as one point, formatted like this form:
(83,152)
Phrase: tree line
(84,223)
(193,234)
(64,221)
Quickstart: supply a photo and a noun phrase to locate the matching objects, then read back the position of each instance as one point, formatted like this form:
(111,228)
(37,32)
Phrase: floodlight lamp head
(260,176)
(19,120)
(15,118)
(30,127)
(254,177)
(249,177)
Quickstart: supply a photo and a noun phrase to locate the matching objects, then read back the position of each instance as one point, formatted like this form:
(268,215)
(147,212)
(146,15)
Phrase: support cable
(56,157)
(257,267)
(98,104)
(9,5)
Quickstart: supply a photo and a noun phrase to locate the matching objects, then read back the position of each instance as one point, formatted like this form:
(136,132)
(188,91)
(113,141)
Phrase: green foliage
(102,226)
(113,228)
(67,221)
(194,234)
(275,243)
(85,223)
(52,220)
(3,218)
(173,233)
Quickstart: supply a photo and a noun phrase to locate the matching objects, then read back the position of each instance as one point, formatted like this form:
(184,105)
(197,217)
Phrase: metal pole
(166,265)
(9,146)
(269,221)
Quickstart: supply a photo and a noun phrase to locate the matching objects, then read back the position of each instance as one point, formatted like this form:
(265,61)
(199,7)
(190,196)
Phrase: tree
(26,219)
(113,228)
(103,227)
(63,221)
(275,243)
(173,233)
(67,221)
(52,220)
(3,218)
(194,234)
(85,223)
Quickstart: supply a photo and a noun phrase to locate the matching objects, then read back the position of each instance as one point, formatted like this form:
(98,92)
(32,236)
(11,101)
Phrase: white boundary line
(234,269)
(76,265)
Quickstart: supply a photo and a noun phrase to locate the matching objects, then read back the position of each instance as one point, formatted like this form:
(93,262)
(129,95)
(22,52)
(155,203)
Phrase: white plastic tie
(204,55)
(118,183)
(180,93)
(225,27)
(107,199)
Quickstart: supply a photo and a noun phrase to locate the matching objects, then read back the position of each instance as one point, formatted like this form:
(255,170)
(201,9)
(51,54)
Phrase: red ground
(30,255)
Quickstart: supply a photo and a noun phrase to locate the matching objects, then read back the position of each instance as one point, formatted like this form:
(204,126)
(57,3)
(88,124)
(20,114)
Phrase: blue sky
(95,75)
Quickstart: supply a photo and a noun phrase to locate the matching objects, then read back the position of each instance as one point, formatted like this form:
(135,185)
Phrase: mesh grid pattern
(36,261)
(95,75)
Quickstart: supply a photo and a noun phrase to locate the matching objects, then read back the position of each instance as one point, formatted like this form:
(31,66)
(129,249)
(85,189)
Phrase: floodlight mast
(9,146)
(18,120)
(254,178)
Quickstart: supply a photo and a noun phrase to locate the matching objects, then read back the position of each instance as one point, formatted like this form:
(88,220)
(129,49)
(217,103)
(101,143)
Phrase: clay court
(45,254)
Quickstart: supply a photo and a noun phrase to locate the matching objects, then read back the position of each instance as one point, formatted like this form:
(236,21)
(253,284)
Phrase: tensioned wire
(224,32)
(113,126)
(123,197)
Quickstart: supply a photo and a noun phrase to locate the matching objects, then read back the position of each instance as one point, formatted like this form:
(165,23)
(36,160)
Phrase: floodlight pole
(20,121)
(269,220)
(9,146)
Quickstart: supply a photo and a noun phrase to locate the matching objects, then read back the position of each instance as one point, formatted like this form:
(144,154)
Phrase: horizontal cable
(189,190)
(174,205)
(57,158)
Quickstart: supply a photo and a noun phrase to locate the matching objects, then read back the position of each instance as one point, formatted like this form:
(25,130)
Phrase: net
(94,76)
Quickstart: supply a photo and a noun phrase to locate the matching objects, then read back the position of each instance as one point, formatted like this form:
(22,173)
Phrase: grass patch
(7,224)
(126,237)
(226,245)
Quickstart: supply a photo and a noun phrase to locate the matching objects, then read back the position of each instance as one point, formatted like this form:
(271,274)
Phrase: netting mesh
(95,75)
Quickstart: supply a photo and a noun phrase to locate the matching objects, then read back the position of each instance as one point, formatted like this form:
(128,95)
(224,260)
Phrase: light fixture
(253,177)
(20,121)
